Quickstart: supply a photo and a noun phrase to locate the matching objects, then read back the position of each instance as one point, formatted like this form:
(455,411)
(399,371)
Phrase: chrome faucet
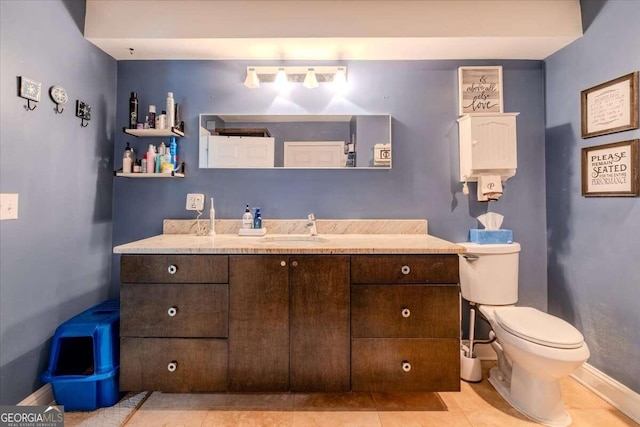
(311,224)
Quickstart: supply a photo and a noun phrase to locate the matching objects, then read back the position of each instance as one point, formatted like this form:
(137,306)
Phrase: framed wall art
(611,169)
(480,90)
(610,107)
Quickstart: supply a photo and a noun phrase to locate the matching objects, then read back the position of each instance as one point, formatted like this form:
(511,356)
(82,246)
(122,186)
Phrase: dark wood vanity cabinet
(405,323)
(174,323)
(306,323)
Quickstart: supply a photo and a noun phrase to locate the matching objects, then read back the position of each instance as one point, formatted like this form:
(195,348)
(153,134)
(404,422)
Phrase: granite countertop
(367,241)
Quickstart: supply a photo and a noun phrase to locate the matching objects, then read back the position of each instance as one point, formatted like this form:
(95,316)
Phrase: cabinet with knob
(289,323)
(174,322)
(405,323)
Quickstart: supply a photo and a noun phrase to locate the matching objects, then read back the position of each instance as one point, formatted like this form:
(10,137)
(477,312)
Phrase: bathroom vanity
(361,312)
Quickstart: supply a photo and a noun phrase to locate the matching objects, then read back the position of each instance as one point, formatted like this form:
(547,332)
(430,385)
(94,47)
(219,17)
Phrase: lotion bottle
(151,159)
(212,220)
(128,160)
(247,219)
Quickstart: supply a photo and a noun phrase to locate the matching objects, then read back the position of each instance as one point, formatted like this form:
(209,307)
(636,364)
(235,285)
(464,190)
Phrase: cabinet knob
(283,263)
(406,312)
(172,366)
(172,311)
(406,366)
(405,269)
(172,269)
(294,263)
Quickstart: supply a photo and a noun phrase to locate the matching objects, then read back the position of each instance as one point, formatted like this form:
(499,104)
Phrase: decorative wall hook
(59,95)
(29,90)
(83,110)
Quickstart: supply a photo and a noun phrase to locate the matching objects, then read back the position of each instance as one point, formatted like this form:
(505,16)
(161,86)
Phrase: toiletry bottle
(162,121)
(133,110)
(127,160)
(176,122)
(152,116)
(144,163)
(146,123)
(257,219)
(212,220)
(151,159)
(158,163)
(163,149)
(247,219)
(171,114)
(173,149)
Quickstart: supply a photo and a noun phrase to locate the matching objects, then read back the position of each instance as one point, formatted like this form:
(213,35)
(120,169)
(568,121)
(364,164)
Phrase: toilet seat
(538,327)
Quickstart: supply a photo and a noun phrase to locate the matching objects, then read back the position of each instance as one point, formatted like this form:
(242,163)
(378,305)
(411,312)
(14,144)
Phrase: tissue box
(490,236)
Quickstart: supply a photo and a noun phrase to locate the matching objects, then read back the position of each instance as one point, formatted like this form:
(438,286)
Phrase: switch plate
(195,202)
(8,206)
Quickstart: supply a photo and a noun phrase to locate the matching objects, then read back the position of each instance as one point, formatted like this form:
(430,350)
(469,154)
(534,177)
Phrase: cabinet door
(259,323)
(320,347)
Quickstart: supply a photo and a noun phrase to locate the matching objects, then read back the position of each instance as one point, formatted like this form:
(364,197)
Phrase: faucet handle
(311,217)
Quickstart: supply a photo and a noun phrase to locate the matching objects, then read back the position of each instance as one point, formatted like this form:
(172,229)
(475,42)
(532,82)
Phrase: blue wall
(55,259)
(422,98)
(594,274)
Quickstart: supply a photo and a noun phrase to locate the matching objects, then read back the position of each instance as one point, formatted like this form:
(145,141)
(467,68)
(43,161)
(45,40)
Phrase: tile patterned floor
(476,405)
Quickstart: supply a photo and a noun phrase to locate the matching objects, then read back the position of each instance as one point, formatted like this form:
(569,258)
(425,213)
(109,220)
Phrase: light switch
(8,206)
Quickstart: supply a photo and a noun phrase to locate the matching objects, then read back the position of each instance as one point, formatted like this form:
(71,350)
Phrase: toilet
(534,348)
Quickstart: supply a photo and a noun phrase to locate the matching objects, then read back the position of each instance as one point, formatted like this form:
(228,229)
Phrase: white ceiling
(332,29)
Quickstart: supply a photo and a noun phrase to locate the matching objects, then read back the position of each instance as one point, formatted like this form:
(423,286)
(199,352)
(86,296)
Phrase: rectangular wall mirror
(295,141)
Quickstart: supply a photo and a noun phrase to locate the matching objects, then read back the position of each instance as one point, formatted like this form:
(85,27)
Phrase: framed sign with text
(611,169)
(480,90)
(610,107)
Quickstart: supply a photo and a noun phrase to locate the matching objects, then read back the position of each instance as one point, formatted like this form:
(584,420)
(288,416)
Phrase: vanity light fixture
(252,81)
(310,77)
(310,80)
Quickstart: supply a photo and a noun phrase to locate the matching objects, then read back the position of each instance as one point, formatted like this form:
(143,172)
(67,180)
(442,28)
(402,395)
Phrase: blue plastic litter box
(84,360)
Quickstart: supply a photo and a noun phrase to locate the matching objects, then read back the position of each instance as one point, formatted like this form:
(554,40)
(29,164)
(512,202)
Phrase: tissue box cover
(490,236)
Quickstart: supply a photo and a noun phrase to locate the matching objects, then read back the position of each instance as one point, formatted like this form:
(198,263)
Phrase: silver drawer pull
(283,263)
(172,269)
(172,311)
(172,366)
(406,366)
(406,312)
(405,269)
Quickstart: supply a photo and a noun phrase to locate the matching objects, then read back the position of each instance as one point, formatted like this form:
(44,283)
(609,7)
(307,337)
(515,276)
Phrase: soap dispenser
(247,219)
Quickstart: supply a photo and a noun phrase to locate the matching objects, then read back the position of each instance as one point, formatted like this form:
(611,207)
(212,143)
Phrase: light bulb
(252,81)
(281,77)
(310,80)
(340,79)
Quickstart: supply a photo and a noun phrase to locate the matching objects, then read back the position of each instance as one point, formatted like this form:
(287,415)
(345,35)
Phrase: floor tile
(336,419)
(409,402)
(575,395)
(334,402)
(167,418)
(423,419)
(600,417)
(257,402)
(493,417)
(478,396)
(228,418)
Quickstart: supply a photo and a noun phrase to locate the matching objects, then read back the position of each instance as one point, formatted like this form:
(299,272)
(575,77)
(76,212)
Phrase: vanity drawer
(173,364)
(174,269)
(404,269)
(405,311)
(405,364)
(174,310)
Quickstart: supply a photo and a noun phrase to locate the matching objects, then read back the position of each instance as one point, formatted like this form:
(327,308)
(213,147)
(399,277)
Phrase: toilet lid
(538,327)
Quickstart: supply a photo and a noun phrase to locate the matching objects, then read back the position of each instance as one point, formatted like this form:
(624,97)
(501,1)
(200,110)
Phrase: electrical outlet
(8,206)
(195,202)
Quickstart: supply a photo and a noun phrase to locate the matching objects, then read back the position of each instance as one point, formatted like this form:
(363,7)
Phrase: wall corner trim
(41,397)
(618,395)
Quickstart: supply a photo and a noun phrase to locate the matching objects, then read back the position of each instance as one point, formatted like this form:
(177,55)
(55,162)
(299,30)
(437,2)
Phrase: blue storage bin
(490,236)
(84,360)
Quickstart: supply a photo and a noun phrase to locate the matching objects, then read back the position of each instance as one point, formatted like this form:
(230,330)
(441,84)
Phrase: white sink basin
(293,239)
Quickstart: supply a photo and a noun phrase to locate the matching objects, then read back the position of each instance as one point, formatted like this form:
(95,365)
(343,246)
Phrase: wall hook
(83,124)
(58,109)
(28,107)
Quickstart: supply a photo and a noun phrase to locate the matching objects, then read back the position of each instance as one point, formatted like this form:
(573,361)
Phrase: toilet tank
(489,273)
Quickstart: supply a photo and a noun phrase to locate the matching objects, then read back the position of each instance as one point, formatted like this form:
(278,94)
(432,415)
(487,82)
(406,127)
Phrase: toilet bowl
(535,350)
(540,349)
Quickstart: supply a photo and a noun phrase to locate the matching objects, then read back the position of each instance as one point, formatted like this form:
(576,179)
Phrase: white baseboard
(41,397)
(620,396)
(483,351)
